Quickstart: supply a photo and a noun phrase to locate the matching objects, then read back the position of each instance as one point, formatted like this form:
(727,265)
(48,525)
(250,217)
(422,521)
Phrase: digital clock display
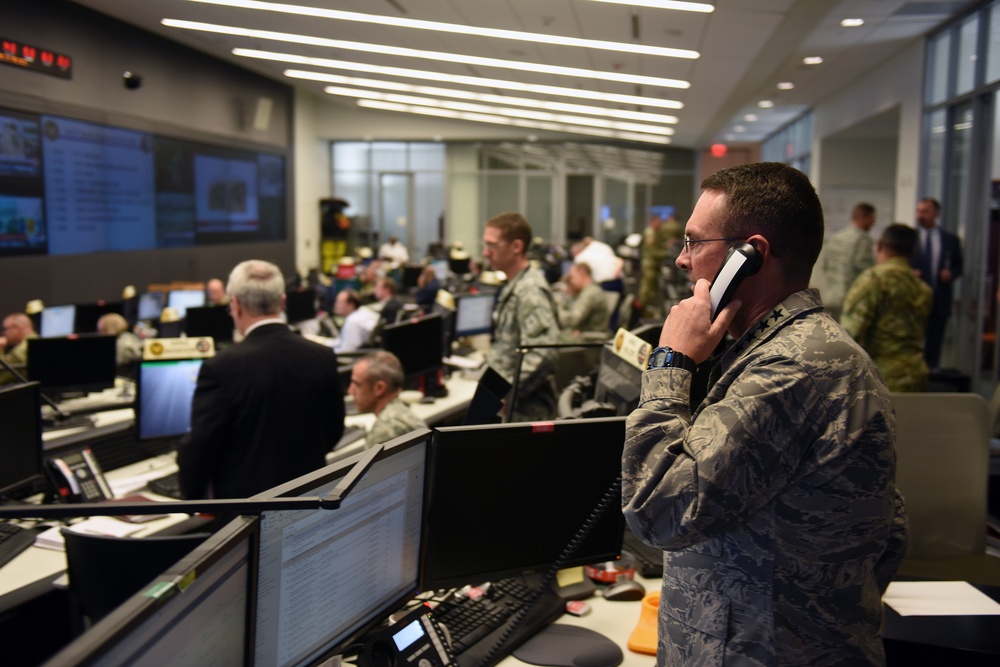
(35,58)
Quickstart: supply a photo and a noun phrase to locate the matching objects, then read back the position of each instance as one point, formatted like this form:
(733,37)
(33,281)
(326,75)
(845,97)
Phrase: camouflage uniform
(396,419)
(775,501)
(654,251)
(886,311)
(526,315)
(588,312)
(846,254)
(16,356)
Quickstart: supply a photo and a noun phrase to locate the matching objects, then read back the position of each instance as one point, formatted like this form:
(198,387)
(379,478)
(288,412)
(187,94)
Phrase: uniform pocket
(696,625)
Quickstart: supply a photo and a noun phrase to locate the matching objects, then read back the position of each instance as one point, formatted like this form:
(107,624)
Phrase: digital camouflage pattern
(396,419)
(588,312)
(846,254)
(16,356)
(775,502)
(526,315)
(886,311)
(655,242)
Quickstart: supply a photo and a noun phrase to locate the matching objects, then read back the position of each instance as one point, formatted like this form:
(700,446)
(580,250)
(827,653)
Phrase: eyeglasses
(688,242)
(489,245)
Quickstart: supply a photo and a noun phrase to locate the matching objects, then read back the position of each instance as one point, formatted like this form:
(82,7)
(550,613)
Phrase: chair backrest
(942,450)
(995,412)
(105,571)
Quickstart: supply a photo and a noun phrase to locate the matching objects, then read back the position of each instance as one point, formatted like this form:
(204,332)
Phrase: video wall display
(70,187)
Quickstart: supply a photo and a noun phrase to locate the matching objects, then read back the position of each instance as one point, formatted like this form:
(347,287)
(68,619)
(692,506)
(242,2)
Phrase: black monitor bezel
(306,485)
(30,481)
(99,309)
(105,382)
(511,432)
(458,304)
(90,647)
(390,331)
(306,295)
(218,329)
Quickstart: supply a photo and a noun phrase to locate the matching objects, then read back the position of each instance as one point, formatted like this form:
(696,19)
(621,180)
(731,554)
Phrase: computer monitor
(87,314)
(459,266)
(410,275)
(199,612)
(418,343)
(77,363)
(182,299)
(618,382)
(21,416)
(150,305)
(211,321)
(300,305)
(506,499)
(325,576)
(58,321)
(163,403)
(474,314)
(440,267)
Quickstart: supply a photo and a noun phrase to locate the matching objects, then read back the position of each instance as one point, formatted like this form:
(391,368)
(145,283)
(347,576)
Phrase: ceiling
(744,48)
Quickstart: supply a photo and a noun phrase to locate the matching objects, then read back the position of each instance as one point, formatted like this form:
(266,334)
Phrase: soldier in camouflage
(658,239)
(589,310)
(525,315)
(774,500)
(886,311)
(376,381)
(848,253)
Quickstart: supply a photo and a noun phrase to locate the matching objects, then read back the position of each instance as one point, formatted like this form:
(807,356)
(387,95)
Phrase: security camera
(132,80)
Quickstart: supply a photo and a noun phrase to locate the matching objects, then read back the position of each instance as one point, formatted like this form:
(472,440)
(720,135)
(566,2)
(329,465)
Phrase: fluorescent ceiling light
(750,117)
(482,97)
(785,85)
(765,104)
(453,78)
(519,122)
(666,4)
(812,60)
(538,38)
(852,23)
(429,55)
(499,111)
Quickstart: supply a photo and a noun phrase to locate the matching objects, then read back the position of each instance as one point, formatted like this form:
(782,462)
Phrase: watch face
(659,356)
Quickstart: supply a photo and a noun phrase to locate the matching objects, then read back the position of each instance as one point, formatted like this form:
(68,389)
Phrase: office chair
(105,571)
(942,466)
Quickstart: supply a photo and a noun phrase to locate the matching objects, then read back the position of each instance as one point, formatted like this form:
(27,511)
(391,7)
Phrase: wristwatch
(666,357)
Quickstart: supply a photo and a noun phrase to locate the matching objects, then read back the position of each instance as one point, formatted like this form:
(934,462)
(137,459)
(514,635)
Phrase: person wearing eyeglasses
(525,314)
(774,499)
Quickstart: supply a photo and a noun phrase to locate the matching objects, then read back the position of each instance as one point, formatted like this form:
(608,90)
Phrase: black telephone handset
(742,261)
(415,640)
(77,478)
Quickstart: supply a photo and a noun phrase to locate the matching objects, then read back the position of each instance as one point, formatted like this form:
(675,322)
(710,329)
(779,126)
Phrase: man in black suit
(266,410)
(939,261)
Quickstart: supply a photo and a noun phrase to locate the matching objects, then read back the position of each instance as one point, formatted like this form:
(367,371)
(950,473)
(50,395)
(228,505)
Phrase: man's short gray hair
(385,366)
(258,285)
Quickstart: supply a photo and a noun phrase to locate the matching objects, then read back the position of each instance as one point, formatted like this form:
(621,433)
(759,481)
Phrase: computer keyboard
(648,560)
(169,486)
(475,624)
(68,422)
(13,540)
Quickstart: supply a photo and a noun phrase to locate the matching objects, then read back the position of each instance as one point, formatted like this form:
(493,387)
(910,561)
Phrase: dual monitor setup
(429,510)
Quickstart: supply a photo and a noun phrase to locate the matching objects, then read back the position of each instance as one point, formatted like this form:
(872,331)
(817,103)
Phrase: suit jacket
(264,411)
(950,258)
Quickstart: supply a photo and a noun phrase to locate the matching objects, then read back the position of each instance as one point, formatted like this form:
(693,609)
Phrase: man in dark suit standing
(266,410)
(939,261)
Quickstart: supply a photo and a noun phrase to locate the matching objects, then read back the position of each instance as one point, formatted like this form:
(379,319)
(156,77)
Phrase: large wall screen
(69,186)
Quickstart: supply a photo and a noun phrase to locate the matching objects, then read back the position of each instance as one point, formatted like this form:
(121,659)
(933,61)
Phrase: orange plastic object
(643,637)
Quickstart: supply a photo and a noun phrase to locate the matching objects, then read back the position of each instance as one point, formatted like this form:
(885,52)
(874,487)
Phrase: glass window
(350,156)
(427,157)
(935,142)
(389,156)
(967,53)
(938,54)
(993,45)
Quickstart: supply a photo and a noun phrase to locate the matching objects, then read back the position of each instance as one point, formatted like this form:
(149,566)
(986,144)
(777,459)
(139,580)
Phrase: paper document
(939,598)
(463,362)
(98,525)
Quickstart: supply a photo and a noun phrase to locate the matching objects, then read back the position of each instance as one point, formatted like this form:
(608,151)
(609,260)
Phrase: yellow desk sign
(632,349)
(155,349)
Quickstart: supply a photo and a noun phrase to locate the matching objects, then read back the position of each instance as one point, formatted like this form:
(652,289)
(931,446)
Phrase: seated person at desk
(394,252)
(359,323)
(266,410)
(588,311)
(17,329)
(376,382)
(388,305)
(215,293)
(427,289)
(128,347)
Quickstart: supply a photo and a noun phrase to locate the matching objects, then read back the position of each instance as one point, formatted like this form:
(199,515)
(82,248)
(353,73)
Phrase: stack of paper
(98,525)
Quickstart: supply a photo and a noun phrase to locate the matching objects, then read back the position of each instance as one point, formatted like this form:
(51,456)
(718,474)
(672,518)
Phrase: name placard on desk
(158,349)
(632,349)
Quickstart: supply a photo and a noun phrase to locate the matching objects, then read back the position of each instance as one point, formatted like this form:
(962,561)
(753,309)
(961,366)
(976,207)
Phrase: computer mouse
(626,589)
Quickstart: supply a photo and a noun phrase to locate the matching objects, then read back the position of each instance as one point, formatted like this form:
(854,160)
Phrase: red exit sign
(35,58)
